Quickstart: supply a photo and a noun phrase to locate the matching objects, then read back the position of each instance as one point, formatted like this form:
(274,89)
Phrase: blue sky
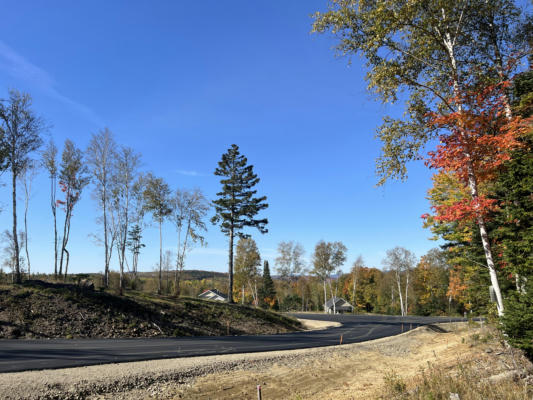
(180,82)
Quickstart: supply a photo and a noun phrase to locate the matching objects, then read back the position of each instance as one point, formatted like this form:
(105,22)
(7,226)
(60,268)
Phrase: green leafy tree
(289,262)
(247,261)
(267,293)
(426,50)
(156,196)
(20,130)
(236,205)
(518,319)
(327,258)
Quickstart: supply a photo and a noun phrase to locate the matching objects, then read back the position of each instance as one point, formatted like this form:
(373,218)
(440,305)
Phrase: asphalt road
(20,355)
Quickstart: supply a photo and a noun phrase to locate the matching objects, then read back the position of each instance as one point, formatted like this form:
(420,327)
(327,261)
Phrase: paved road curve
(20,355)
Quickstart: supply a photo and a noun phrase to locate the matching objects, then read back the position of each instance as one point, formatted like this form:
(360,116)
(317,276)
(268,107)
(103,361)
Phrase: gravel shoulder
(314,325)
(353,371)
(340,372)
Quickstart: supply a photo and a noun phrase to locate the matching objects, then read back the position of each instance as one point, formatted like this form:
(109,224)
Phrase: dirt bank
(39,309)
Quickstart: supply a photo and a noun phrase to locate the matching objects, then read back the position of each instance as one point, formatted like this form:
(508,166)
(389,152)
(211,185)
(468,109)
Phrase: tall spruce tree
(267,294)
(236,205)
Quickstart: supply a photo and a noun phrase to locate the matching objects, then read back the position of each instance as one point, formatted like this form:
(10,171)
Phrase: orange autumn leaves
(477,139)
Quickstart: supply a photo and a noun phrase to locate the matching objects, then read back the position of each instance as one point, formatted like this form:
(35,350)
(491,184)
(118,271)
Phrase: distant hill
(192,274)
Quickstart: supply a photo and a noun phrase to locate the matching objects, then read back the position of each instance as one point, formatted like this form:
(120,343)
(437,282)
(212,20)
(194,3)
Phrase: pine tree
(267,294)
(236,205)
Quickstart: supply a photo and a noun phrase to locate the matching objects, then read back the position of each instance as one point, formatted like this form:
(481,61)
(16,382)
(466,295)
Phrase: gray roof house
(341,305)
(213,294)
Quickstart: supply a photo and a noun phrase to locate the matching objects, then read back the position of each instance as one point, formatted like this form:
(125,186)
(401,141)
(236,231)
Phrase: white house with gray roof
(337,305)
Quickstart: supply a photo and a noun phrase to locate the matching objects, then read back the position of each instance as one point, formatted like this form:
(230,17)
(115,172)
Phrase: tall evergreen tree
(236,205)
(267,294)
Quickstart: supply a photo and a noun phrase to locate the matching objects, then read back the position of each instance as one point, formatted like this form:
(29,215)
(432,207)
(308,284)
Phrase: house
(341,306)
(213,294)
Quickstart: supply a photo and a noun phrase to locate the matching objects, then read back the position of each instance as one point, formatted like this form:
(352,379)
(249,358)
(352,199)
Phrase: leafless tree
(100,156)
(157,201)
(26,177)
(49,162)
(9,252)
(125,172)
(357,265)
(189,209)
(72,179)
(20,132)
(401,261)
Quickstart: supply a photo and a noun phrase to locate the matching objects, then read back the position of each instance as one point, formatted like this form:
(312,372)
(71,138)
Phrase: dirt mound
(39,309)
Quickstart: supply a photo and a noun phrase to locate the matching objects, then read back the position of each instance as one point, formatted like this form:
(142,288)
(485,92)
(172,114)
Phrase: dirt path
(354,371)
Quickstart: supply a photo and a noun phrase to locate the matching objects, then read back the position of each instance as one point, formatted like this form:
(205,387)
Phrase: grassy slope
(37,309)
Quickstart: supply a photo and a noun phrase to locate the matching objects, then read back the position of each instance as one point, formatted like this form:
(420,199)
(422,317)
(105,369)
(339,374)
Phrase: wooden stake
(341,340)
(402,327)
(258,392)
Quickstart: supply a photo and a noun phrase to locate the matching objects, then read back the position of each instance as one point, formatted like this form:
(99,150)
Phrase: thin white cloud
(189,172)
(20,68)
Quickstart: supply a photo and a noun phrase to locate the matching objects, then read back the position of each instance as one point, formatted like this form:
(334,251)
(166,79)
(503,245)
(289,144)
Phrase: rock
(86,284)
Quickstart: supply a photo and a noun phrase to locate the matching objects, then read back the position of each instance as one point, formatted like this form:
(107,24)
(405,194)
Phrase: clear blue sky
(180,82)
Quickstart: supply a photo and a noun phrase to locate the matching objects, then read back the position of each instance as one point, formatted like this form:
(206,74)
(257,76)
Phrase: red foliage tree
(476,140)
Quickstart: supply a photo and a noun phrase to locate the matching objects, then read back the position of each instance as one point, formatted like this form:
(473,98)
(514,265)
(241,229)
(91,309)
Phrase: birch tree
(73,177)
(123,196)
(289,263)
(156,197)
(247,261)
(20,130)
(402,262)
(49,163)
(26,179)
(100,157)
(427,50)
(356,267)
(189,209)
(327,258)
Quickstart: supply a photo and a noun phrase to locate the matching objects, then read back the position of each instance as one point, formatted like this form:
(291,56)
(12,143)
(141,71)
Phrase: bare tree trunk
(54,212)
(27,191)
(160,255)
(354,286)
(325,297)
(230,267)
(66,264)
(406,289)
(399,283)
(18,275)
